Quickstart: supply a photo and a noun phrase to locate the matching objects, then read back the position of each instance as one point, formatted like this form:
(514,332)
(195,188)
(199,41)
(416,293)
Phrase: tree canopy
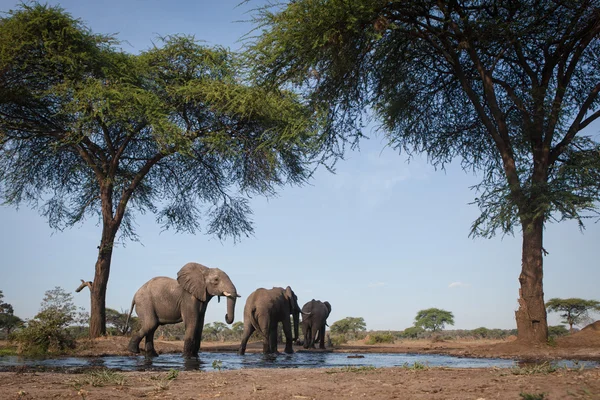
(506,87)
(351,325)
(433,319)
(8,321)
(87,130)
(574,311)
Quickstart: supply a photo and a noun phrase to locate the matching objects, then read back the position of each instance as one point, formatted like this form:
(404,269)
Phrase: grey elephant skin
(314,321)
(264,309)
(163,300)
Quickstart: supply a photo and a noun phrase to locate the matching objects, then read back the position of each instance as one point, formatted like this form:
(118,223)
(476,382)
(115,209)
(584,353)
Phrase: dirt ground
(339,383)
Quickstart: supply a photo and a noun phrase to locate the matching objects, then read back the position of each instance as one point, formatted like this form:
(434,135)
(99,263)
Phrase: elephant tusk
(305,313)
(227,294)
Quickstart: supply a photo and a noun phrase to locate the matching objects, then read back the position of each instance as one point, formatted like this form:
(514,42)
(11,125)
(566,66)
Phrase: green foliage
(349,326)
(416,366)
(217,364)
(574,311)
(412,332)
(338,340)
(352,369)
(408,62)
(375,338)
(557,331)
(533,369)
(48,331)
(117,320)
(99,378)
(433,319)
(8,321)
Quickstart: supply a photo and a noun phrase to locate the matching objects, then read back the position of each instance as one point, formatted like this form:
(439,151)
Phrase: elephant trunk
(230,310)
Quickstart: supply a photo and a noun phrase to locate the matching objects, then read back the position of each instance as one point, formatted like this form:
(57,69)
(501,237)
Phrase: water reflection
(211,361)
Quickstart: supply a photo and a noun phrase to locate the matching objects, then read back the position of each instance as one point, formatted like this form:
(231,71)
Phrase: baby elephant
(314,320)
(163,300)
(264,309)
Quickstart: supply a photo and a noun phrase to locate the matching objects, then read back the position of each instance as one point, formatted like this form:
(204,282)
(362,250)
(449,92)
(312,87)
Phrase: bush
(557,331)
(44,334)
(337,340)
(375,338)
(413,332)
(48,331)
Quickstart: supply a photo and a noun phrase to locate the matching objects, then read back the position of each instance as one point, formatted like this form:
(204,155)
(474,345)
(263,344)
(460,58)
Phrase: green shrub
(413,332)
(48,331)
(45,334)
(375,338)
(557,331)
(337,340)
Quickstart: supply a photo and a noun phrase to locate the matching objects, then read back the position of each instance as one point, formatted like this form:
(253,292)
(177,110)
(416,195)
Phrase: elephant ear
(191,279)
(291,298)
(328,307)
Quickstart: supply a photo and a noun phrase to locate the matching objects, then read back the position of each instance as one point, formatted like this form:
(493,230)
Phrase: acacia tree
(505,86)
(87,130)
(574,310)
(347,325)
(434,319)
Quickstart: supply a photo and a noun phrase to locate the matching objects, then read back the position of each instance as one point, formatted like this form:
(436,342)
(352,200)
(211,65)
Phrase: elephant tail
(129,315)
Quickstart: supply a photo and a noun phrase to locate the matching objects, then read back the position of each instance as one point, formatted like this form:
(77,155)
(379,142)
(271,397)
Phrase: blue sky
(380,239)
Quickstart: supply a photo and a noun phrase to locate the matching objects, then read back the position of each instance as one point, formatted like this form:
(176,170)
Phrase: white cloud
(458,284)
(376,284)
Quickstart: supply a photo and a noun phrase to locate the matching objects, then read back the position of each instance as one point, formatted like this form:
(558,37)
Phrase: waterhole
(210,361)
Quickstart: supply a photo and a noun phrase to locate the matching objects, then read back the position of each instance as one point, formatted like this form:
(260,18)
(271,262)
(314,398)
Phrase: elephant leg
(272,344)
(307,337)
(287,330)
(248,331)
(198,333)
(134,343)
(189,341)
(322,337)
(150,351)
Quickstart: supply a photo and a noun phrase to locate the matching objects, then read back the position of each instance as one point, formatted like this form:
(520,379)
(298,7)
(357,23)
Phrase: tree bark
(532,324)
(98,289)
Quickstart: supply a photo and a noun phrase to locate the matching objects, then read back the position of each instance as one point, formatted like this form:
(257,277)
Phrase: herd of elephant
(163,300)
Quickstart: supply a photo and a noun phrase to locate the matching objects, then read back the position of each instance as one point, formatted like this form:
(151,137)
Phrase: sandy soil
(381,383)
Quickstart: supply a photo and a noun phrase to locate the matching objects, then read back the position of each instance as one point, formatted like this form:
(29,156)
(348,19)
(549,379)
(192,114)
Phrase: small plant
(417,366)
(99,378)
(531,396)
(349,368)
(172,374)
(376,338)
(8,352)
(532,369)
(217,364)
(164,380)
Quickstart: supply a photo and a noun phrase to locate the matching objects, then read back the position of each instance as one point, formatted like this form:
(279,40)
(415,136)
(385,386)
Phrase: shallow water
(209,361)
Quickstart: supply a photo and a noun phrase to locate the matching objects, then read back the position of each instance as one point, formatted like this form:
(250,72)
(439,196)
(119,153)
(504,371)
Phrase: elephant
(163,300)
(314,320)
(264,309)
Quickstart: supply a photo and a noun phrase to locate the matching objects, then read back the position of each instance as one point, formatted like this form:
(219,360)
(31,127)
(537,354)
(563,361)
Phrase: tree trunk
(98,290)
(532,324)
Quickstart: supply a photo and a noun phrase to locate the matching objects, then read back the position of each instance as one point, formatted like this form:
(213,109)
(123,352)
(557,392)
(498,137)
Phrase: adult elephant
(264,309)
(163,300)
(314,320)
